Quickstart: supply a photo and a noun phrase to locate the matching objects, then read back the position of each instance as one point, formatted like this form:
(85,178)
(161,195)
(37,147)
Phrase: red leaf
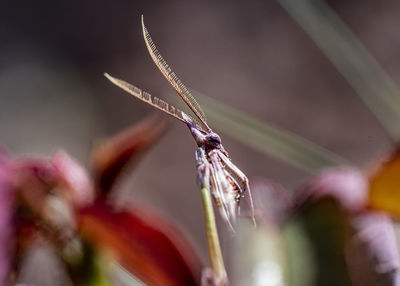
(145,243)
(111,157)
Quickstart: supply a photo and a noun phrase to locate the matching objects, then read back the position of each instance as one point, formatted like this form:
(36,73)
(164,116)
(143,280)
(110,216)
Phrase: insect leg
(236,189)
(203,169)
(208,178)
(242,177)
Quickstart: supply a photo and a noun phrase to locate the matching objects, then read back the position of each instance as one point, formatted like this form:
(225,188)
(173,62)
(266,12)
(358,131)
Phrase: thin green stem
(214,249)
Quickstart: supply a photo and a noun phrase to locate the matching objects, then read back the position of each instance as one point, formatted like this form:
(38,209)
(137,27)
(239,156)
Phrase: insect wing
(234,170)
(224,189)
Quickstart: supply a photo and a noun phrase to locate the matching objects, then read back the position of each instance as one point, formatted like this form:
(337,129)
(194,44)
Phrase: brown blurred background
(248,54)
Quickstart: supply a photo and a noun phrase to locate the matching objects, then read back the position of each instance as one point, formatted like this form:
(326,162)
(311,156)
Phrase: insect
(227,183)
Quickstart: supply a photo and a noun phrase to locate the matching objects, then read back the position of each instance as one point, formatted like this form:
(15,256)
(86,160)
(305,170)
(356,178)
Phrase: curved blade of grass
(351,59)
(268,139)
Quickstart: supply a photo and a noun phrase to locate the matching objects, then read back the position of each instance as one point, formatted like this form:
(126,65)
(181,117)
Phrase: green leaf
(268,139)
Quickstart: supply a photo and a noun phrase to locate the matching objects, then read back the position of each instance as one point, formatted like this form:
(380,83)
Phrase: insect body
(226,182)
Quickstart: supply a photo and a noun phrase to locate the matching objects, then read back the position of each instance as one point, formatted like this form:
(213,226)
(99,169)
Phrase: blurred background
(250,55)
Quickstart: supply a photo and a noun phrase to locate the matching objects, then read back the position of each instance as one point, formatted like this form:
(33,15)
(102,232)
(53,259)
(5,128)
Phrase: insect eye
(214,138)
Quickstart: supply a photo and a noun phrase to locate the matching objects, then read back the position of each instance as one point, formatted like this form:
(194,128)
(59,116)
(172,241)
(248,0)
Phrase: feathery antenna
(176,83)
(153,101)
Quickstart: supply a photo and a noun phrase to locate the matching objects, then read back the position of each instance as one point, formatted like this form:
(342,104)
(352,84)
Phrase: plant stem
(214,249)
